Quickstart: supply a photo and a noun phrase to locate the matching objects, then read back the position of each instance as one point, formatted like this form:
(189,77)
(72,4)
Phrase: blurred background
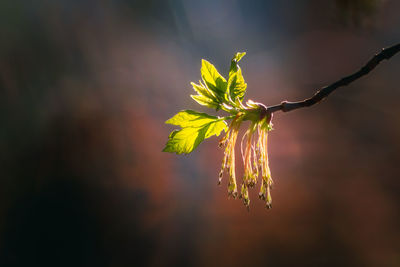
(85,88)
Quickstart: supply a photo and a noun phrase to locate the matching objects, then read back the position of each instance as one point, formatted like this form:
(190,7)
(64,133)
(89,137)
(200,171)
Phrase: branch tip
(385,53)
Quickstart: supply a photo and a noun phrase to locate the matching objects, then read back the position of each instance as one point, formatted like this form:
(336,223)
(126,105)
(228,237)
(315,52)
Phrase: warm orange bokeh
(86,88)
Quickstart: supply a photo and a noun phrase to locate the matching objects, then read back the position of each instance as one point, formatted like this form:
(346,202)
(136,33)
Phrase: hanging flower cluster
(214,91)
(255,154)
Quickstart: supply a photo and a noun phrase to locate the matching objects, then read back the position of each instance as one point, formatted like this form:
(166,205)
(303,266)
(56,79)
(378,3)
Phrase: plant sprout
(215,92)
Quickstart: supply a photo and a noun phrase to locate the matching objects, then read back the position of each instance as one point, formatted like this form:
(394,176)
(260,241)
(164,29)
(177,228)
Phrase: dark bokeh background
(85,87)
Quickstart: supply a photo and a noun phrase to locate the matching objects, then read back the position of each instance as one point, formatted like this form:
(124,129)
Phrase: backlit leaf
(236,84)
(196,127)
(205,97)
(213,80)
(205,101)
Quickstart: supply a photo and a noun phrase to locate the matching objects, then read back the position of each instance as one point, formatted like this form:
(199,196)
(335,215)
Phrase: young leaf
(205,101)
(203,90)
(205,97)
(236,84)
(239,56)
(213,80)
(196,127)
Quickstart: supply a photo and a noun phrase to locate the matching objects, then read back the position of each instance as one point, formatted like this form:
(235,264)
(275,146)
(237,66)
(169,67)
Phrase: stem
(226,118)
(321,94)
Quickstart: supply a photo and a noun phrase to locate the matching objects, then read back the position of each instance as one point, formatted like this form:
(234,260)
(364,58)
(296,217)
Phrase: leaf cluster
(213,91)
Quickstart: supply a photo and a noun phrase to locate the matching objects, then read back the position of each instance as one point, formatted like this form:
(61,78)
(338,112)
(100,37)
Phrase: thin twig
(286,106)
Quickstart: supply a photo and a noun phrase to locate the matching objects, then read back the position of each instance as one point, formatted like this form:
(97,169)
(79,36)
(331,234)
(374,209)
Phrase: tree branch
(286,106)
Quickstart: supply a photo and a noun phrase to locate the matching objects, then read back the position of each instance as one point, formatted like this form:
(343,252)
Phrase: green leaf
(213,80)
(190,118)
(196,127)
(236,84)
(205,97)
(239,56)
(205,101)
(202,90)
